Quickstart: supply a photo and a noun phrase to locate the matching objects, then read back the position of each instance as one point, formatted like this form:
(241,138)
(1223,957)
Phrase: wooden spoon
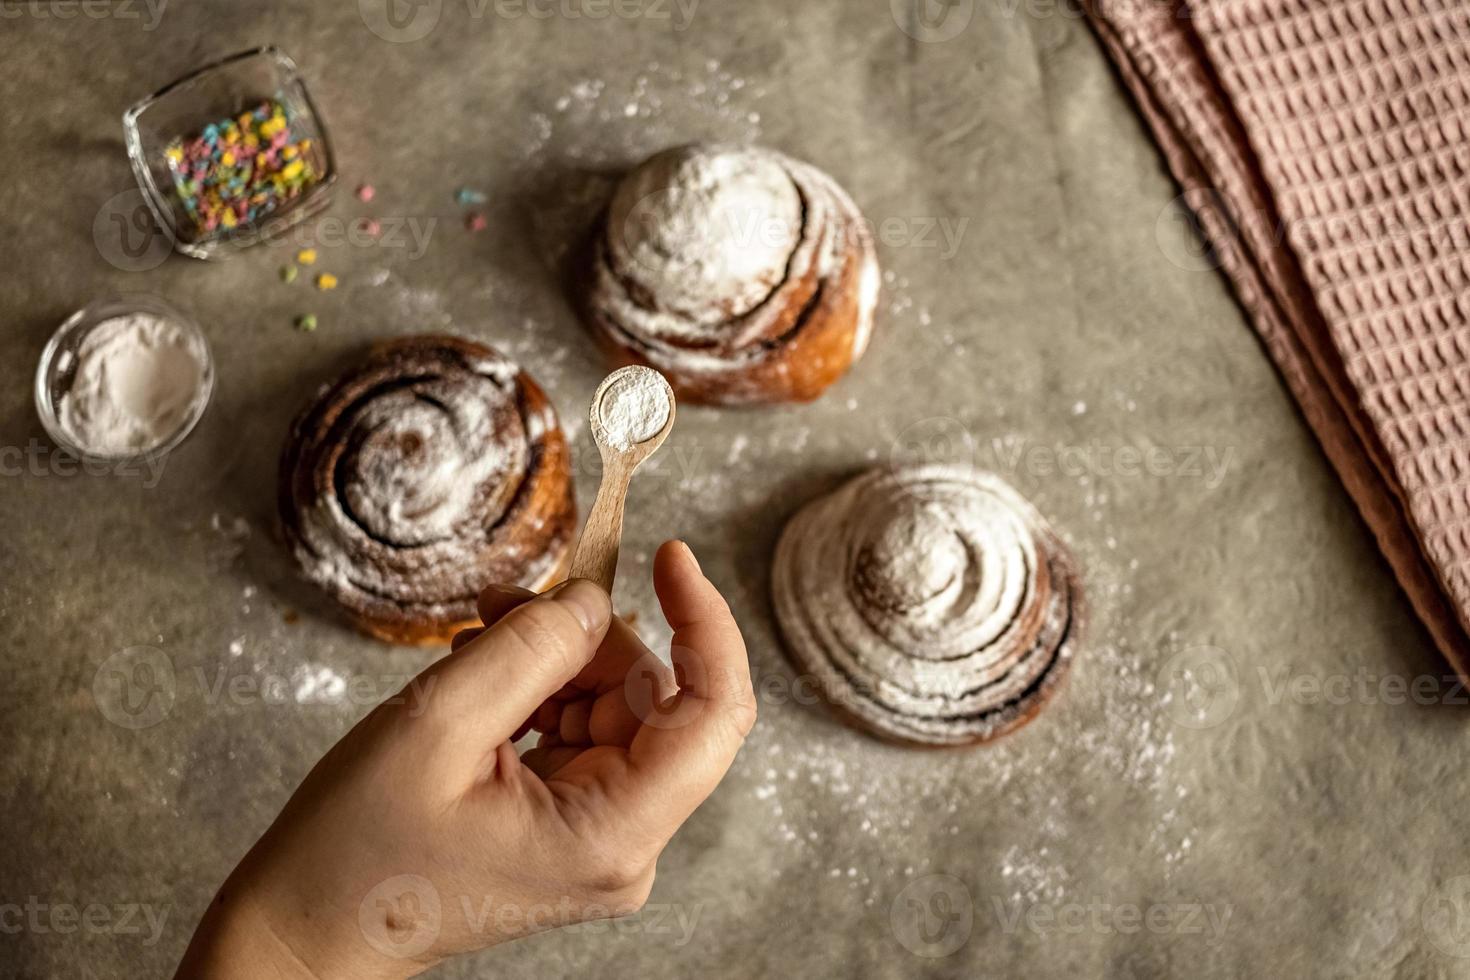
(624,442)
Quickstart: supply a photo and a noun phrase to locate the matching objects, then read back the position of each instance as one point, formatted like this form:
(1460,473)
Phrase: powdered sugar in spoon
(632,414)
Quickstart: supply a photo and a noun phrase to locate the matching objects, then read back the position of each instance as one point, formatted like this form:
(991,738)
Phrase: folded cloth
(1322,146)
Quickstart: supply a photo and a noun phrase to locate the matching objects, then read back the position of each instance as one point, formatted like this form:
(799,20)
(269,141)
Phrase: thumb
(489,686)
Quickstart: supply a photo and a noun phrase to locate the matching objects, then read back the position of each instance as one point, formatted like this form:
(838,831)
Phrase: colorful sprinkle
(307,256)
(468,195)
(238,171)
(289,273)
(326,281)
(306,322)
(475,221)
(366,193)
(371,226)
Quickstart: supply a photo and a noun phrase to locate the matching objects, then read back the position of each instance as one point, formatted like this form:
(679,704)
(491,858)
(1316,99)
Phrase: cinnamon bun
(431,469)
(932,605)
(742,274)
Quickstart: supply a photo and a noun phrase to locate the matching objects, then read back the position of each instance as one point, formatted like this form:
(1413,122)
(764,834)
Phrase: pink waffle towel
(1323,147)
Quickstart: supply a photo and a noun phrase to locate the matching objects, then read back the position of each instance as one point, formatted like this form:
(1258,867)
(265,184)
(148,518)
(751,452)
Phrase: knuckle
(614,874)
(496,600)
(540,629)
(735,699)
(743,714)
(607,866)
(712,606)
(635,897)
(582,814)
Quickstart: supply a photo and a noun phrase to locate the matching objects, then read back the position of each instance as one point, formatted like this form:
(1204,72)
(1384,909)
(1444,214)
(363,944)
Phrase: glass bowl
(213,97)
(56,373)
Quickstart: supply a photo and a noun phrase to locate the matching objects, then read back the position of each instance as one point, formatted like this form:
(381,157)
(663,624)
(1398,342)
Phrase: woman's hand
(421,834)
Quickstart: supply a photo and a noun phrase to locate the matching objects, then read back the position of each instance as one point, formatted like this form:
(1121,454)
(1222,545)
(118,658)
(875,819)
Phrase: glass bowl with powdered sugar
(124,380)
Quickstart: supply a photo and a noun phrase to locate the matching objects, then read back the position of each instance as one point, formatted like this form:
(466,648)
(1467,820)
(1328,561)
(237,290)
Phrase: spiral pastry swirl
(431,469)
(931,605)
(739,273)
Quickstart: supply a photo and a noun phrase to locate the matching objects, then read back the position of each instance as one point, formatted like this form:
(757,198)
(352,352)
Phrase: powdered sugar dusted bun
(430,470)
(932,605)
(741,274)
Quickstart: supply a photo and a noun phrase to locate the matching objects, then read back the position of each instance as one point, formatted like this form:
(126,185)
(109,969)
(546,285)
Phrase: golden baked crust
(814,315)
(429,470)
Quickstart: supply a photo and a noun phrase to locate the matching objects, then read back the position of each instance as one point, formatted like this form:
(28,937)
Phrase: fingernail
(500,589)
(586,601)
(690,552)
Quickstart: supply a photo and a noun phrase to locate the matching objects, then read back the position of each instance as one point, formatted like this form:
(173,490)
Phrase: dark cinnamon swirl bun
(932,606)
(741,274)
(431,469)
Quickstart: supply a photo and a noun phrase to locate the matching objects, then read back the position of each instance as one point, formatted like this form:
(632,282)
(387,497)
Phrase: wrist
(251,931)
(237,939)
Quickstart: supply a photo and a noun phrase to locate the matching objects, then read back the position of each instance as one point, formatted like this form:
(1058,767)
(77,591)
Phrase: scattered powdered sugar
(552,359)
(317,684)
(628,118)
(822,790)
(900,300)
(230,540)
(1032,878)
(836,801)
(236,530)
(634,407)
(587,130)
(421,305)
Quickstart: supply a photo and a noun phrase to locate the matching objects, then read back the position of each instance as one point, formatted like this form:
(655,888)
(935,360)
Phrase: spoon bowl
(631,396)
(632,414)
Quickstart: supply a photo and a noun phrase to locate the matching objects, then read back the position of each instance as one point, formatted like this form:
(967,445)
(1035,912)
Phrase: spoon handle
(596,557)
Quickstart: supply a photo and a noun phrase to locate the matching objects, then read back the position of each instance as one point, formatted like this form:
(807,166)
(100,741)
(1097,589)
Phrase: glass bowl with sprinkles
(231,154)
